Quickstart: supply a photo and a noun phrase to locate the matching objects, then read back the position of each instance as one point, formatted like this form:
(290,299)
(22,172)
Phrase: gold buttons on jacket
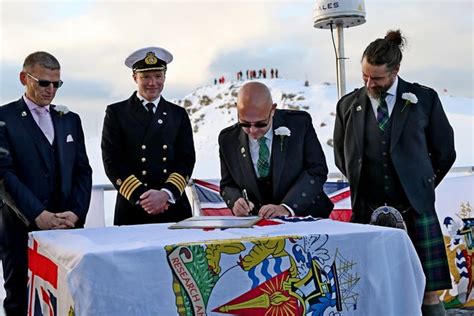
(164,158)
(143,159)
(165,171)
(165,146)
(143,147)
(144,172)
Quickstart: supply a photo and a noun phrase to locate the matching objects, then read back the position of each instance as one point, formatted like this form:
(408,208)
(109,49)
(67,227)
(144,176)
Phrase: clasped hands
(154,201)
(242,208)
(48,220)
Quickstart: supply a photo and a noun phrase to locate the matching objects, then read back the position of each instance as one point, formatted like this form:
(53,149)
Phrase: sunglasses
(46,83)
(256,124)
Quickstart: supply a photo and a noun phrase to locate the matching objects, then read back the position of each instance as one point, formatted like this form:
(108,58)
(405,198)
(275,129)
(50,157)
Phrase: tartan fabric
(382,112)
(425,233)
(263,165)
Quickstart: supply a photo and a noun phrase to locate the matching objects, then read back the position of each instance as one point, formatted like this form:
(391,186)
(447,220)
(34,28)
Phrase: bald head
(254,96)
(255,107)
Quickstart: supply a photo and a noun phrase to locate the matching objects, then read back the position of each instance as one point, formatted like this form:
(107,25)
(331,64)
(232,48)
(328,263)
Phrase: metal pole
(341,83)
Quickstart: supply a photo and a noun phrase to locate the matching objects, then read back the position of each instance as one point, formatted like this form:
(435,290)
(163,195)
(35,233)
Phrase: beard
(376,92)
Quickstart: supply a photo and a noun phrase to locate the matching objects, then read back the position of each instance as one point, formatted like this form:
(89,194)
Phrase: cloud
(208,39)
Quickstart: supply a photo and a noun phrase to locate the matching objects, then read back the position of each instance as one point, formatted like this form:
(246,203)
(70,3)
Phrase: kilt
(425,233)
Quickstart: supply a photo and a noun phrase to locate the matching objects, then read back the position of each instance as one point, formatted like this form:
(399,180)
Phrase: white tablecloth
(311,268)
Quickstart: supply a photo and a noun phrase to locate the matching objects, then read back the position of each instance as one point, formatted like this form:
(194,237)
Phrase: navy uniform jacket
(140,153)
(27,170)
(421,143)
(298,165)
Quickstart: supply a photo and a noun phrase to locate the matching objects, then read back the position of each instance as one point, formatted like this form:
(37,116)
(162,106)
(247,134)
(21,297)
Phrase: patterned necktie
(263,165)
(45,123)
(382,112)
(150,106)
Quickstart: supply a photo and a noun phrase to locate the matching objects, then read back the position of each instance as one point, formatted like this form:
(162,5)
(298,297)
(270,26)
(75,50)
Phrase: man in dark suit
(45,174)
(275,156)
(394,143)
(147,147)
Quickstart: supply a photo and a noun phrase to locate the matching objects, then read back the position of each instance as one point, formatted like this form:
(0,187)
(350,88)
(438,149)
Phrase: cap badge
(151,59)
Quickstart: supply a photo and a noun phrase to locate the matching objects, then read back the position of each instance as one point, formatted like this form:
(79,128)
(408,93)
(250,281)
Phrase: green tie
(263,165)
(382,112)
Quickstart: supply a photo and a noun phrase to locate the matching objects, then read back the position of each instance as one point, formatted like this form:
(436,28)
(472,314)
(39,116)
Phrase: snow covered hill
(212,108)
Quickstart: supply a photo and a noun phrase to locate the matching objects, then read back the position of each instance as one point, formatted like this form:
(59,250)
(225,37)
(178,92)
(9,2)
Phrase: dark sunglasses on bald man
(46,83)
(260,124)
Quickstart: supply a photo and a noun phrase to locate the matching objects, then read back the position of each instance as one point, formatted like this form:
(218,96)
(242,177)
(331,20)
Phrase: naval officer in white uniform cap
(147,146)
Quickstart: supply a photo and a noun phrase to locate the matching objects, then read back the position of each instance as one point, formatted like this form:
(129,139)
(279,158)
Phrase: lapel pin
(164,113)
(358,108)
(23,113)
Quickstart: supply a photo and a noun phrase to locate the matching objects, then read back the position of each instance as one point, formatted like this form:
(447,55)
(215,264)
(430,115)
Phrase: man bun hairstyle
(386,51)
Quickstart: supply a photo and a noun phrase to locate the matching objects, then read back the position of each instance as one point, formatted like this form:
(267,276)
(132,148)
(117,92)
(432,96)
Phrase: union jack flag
(42,283)
(211,203)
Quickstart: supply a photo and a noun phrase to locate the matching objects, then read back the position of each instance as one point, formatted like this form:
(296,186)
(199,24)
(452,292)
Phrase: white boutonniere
(283,132)
(61,109)
(409,98)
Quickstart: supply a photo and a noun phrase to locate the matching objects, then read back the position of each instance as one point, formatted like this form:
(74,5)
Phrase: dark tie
(263,165)
(45,123)
(150,106)
(382,112)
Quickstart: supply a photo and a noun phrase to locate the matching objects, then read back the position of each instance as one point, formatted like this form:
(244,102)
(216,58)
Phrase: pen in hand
(246,198)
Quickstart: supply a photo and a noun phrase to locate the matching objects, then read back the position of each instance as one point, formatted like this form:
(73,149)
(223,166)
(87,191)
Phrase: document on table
(217,222)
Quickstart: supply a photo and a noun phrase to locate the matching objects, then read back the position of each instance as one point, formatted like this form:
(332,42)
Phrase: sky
(209,39)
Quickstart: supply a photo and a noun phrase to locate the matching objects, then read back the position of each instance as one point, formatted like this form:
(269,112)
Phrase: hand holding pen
(243,206)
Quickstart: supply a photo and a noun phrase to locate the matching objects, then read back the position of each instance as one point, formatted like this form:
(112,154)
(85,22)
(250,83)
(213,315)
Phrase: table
(296,268)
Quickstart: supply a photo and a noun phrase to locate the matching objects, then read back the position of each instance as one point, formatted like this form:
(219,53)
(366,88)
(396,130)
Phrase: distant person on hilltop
(275,156)
(393,142)
(147,147)
(276,73)
(272,73)
(45,174)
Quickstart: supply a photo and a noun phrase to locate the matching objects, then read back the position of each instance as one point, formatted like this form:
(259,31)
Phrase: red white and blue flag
(42,283)
(212,204)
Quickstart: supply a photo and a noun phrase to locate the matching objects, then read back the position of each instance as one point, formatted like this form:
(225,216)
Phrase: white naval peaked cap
(149,58)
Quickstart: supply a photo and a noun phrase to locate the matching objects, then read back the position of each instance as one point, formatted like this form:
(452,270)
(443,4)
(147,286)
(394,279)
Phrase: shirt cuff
(292,213)
(171,199)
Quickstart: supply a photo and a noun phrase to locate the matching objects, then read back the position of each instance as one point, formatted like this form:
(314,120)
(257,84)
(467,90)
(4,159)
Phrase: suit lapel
(59,136)
(137,111)
(246,165)
(279,149)
(399,118)
(28,122)
(359,107)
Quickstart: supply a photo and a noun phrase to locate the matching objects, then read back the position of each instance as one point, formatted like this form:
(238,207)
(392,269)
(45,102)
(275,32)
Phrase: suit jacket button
(165,146)
(312,181)
(143,159)
(295,206)
(144,172)
(303,194)
(165,171)
(143,147)
(145,184)
(164,158)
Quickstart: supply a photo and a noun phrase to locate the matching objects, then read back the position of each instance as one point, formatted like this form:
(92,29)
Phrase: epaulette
(230,128)
(349,94)
(416,84)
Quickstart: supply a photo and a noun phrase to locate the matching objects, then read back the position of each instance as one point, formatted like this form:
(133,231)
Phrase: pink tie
(45,123)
